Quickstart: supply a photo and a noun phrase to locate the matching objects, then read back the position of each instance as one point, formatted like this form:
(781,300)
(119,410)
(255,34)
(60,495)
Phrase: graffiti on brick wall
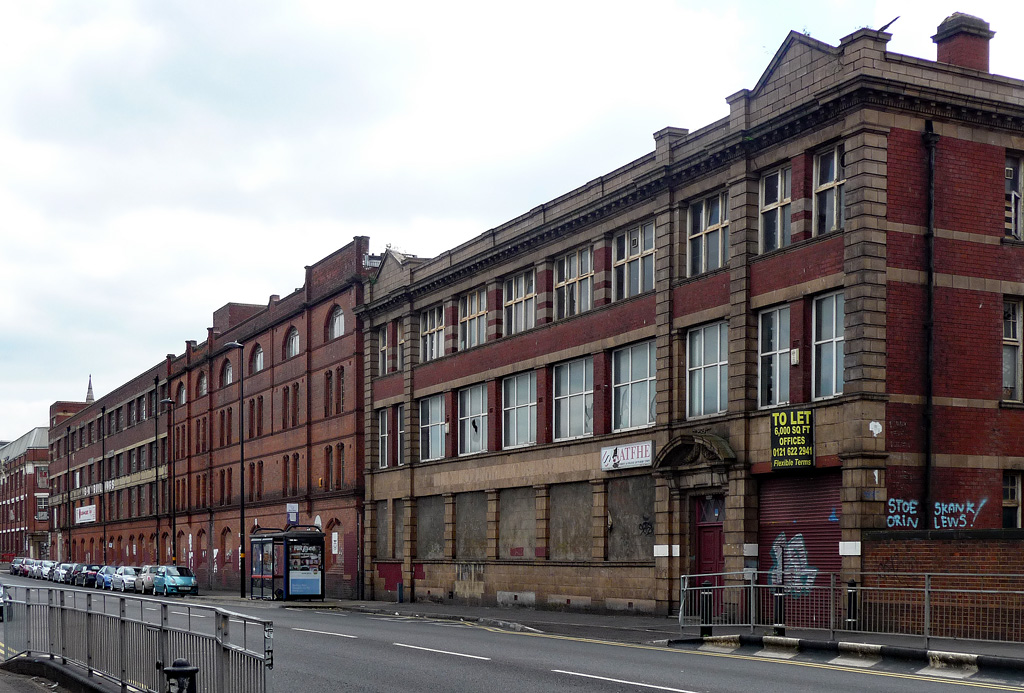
(790,565)
(957,515)
(904,513)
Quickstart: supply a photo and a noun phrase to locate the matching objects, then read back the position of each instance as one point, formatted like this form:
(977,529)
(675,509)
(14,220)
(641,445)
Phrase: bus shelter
(287,564)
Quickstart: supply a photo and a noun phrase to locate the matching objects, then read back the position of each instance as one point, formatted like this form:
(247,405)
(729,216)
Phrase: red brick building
(151,472)
(25,496)
(788,340)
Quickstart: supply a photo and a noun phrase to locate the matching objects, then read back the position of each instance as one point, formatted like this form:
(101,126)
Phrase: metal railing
(933,605)
(129,640)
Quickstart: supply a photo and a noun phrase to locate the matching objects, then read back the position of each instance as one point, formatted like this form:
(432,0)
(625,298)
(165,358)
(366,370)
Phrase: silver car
(124,578)
(144,579)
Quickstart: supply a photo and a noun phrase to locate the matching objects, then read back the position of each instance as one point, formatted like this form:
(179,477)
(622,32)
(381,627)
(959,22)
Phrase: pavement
(989,657)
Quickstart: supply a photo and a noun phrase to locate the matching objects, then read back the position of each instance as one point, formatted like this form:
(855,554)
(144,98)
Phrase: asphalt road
(326,651)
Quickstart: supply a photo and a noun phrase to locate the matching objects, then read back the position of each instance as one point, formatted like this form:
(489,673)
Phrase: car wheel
(167,592)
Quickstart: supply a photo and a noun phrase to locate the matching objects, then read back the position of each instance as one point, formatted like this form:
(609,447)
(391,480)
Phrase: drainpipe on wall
(930,141)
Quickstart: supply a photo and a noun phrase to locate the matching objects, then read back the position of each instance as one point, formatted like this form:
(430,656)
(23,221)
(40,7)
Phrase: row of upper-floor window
(633,252)
(633,384)
(116,465)
(291,346)
(136,411)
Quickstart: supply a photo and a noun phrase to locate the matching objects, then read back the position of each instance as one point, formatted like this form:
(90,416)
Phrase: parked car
(144,579)
(16,565)
(103,576)
(73,572)
(174,579)
(61,572)
(123,578)
(87,575)
(44,569)
(27,566)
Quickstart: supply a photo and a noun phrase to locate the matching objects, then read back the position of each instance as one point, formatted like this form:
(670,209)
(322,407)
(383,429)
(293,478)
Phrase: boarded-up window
(631,519)
(471,526)
(571,510)
(430,527)
(383,535)
(399,528)
(517,523)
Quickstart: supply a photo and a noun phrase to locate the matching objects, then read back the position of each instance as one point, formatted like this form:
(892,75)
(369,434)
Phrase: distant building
(25,496)
(172,438)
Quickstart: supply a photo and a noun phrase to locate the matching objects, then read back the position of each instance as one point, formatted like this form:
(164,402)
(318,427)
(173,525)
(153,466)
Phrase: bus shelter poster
(792,439)
(304,569)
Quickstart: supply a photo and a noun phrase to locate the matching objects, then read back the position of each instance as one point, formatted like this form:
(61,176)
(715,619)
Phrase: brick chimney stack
(963,40)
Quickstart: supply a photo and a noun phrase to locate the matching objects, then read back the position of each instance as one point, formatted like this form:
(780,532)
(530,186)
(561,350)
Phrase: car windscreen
(179,570)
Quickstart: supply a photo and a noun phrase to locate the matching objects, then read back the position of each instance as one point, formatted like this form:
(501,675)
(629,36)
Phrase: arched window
(226,374)
(201,385)
(182,397)
(256,360)
(336,324)
(291,344)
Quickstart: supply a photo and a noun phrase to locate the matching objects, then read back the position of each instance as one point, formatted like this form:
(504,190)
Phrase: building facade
(787,341)
(25,496)
(261,415)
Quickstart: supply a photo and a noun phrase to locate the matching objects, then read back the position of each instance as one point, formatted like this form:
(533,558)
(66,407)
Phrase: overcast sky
(160,159)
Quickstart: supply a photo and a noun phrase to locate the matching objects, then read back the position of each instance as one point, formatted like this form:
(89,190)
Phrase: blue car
(103,577)
(174,579)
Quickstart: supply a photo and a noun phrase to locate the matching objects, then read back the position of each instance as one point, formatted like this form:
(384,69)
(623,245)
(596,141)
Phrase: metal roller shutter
(798,528)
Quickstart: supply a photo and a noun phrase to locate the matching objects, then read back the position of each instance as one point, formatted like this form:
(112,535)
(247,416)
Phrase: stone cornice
(858,92)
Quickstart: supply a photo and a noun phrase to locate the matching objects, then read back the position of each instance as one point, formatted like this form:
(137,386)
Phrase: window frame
(227,373)
(574,286)
(697,373)
(1013,347)
(626,383)
(472,318)
(202,389)
(780,209)
(626,264)
(382,350)
(584,395)
(779,357)
(383,431)
(833,189)
(514,409)
(336,324)
(1012,482)
(1013,206)
(432,337)
(400,435)
(699,231)
(292,346)
(836,344)
(431,430)
(519,302)
(256,360)
(472,411)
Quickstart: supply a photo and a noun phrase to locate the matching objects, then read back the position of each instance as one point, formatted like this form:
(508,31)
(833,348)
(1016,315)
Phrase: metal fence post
(832,605)
(88,634)
(779,609)
(63,619)
(122,643)
(751,586)
(706,597)
(28,620)
(927,608)
(165,639)
(49,622)
(851,605)
(221,662)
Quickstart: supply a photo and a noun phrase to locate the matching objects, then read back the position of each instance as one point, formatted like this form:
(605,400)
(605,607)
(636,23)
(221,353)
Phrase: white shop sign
(627,456)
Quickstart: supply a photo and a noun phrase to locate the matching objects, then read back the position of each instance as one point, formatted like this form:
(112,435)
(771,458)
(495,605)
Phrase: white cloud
(162,159)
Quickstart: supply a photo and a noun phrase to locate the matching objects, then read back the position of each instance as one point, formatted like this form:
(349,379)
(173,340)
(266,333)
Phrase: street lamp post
(103,478)
(170,474)
(241,465)
(71,503)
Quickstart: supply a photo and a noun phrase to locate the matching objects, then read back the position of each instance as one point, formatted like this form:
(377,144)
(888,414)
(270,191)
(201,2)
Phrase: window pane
(823,369)
(621,407)
(648,273)
(576,415)
(588,368)
(638,404)
(696,261)
(840,354)
(768,331)
(696,387)
(767,379)
(577,376)
(585,294)
(824,320)
(825,168)
(561,380)
(561,418)
(783,328)
(714,246)
(634,276)
(771,189)
(1010,372)
(723,391)
(710,345)
(694,350)
(784,212)
(770,230)
(723,342)
(638,356)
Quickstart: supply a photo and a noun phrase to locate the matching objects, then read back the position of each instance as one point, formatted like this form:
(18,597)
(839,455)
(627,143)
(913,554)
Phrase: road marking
(185,613)
(787,662)
(325,632)
(628,683)
(456,654)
